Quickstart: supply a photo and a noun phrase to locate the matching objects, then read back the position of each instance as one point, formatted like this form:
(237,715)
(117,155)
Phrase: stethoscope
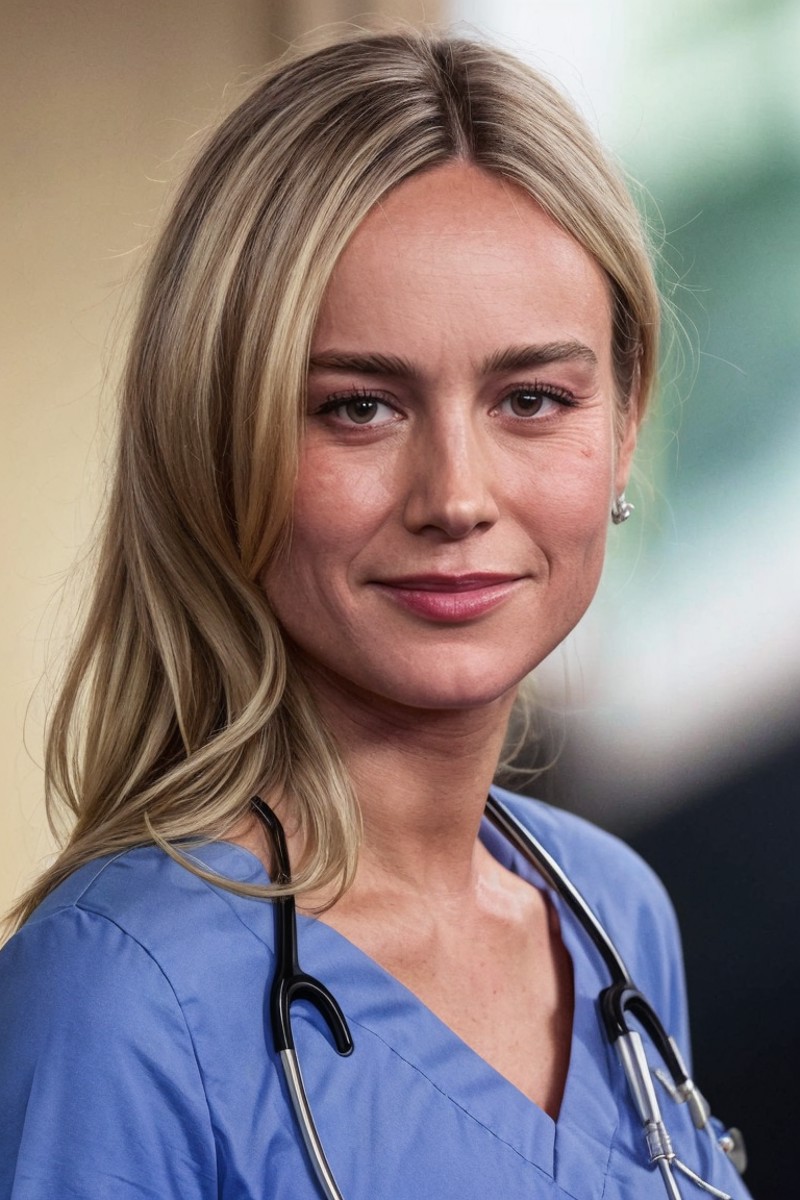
(616,1002)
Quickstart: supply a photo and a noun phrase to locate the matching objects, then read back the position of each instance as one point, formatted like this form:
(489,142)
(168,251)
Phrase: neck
(421,778)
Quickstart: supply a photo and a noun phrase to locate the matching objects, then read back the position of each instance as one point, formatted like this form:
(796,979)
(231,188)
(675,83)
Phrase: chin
(454,686)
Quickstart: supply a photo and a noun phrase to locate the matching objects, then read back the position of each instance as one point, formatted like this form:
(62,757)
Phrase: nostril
(455,517)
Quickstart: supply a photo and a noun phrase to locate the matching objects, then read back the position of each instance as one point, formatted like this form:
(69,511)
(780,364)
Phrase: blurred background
(673,713)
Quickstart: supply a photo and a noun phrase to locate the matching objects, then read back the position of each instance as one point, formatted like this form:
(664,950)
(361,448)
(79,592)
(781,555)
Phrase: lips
(450,583)
(450,598)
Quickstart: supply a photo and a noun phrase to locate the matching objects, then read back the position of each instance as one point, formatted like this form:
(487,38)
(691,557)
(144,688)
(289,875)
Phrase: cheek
(573,490)
(338,506)
(569,519)
(334,508)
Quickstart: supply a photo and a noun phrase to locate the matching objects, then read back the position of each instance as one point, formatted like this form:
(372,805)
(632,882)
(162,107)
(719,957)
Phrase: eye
(357,408)
(361,410)
(536,400)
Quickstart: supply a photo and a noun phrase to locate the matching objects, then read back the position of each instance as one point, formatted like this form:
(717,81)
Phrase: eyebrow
(513,358)
(363,364)
(517,358)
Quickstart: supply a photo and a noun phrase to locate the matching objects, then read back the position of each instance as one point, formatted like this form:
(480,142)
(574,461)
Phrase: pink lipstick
(450,598)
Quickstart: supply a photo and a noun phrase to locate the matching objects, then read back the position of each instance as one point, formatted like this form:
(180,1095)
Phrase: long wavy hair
(181,698)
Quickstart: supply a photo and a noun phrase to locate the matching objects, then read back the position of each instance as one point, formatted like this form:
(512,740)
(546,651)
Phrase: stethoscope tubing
(291,983)
(619,998)
(534,852)
(307,1125)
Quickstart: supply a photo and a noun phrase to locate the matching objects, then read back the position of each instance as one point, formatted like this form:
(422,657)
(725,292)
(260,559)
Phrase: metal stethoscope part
(616,1002)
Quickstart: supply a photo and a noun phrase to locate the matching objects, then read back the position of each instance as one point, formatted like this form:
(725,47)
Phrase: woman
(392,354)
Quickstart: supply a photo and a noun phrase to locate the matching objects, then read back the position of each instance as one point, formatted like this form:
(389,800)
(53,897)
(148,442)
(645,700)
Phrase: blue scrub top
(136,1062)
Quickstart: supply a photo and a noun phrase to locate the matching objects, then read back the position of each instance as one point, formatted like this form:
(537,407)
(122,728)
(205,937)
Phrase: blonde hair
(181,700)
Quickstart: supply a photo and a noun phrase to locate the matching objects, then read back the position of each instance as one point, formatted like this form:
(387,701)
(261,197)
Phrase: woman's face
(459,460)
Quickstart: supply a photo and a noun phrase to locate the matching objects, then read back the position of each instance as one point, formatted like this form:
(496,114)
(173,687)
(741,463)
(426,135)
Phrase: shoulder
(137,929)
(591,856)
(73,975)
(598,862)
(100,1036)
(142,896)
(144,889)
(138,912)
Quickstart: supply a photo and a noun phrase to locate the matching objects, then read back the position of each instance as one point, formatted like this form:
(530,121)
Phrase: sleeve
(100,1089)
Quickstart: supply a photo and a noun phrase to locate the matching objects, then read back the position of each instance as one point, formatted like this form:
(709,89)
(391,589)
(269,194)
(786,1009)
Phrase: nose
(451,484)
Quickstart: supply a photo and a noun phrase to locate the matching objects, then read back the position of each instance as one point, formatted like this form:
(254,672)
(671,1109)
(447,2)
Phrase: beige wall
(98,97)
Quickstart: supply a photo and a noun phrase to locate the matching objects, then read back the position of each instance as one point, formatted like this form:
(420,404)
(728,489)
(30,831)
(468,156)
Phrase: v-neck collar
(588,1107)
(375,1000)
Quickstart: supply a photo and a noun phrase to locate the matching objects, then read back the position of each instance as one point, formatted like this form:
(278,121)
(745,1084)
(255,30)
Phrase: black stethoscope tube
(620,998)
(290,983)
(534,852)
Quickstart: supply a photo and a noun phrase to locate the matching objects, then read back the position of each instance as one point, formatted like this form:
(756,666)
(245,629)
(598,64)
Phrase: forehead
(457,248)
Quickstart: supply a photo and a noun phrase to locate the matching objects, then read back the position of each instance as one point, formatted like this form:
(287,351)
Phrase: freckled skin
(453,266)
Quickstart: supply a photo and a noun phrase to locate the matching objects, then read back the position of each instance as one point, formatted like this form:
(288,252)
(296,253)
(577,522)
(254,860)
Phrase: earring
(621,509)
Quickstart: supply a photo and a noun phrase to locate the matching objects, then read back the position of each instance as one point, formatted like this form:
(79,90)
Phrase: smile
(450,598)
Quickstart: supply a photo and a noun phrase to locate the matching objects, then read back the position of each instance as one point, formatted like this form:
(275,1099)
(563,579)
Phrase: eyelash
(548,391)
(340,399)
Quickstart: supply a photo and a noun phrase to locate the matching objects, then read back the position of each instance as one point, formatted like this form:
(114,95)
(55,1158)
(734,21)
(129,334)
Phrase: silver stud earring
(621,509)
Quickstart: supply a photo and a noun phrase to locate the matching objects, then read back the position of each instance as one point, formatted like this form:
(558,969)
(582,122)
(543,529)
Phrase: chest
(413,1111)
(503,988)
